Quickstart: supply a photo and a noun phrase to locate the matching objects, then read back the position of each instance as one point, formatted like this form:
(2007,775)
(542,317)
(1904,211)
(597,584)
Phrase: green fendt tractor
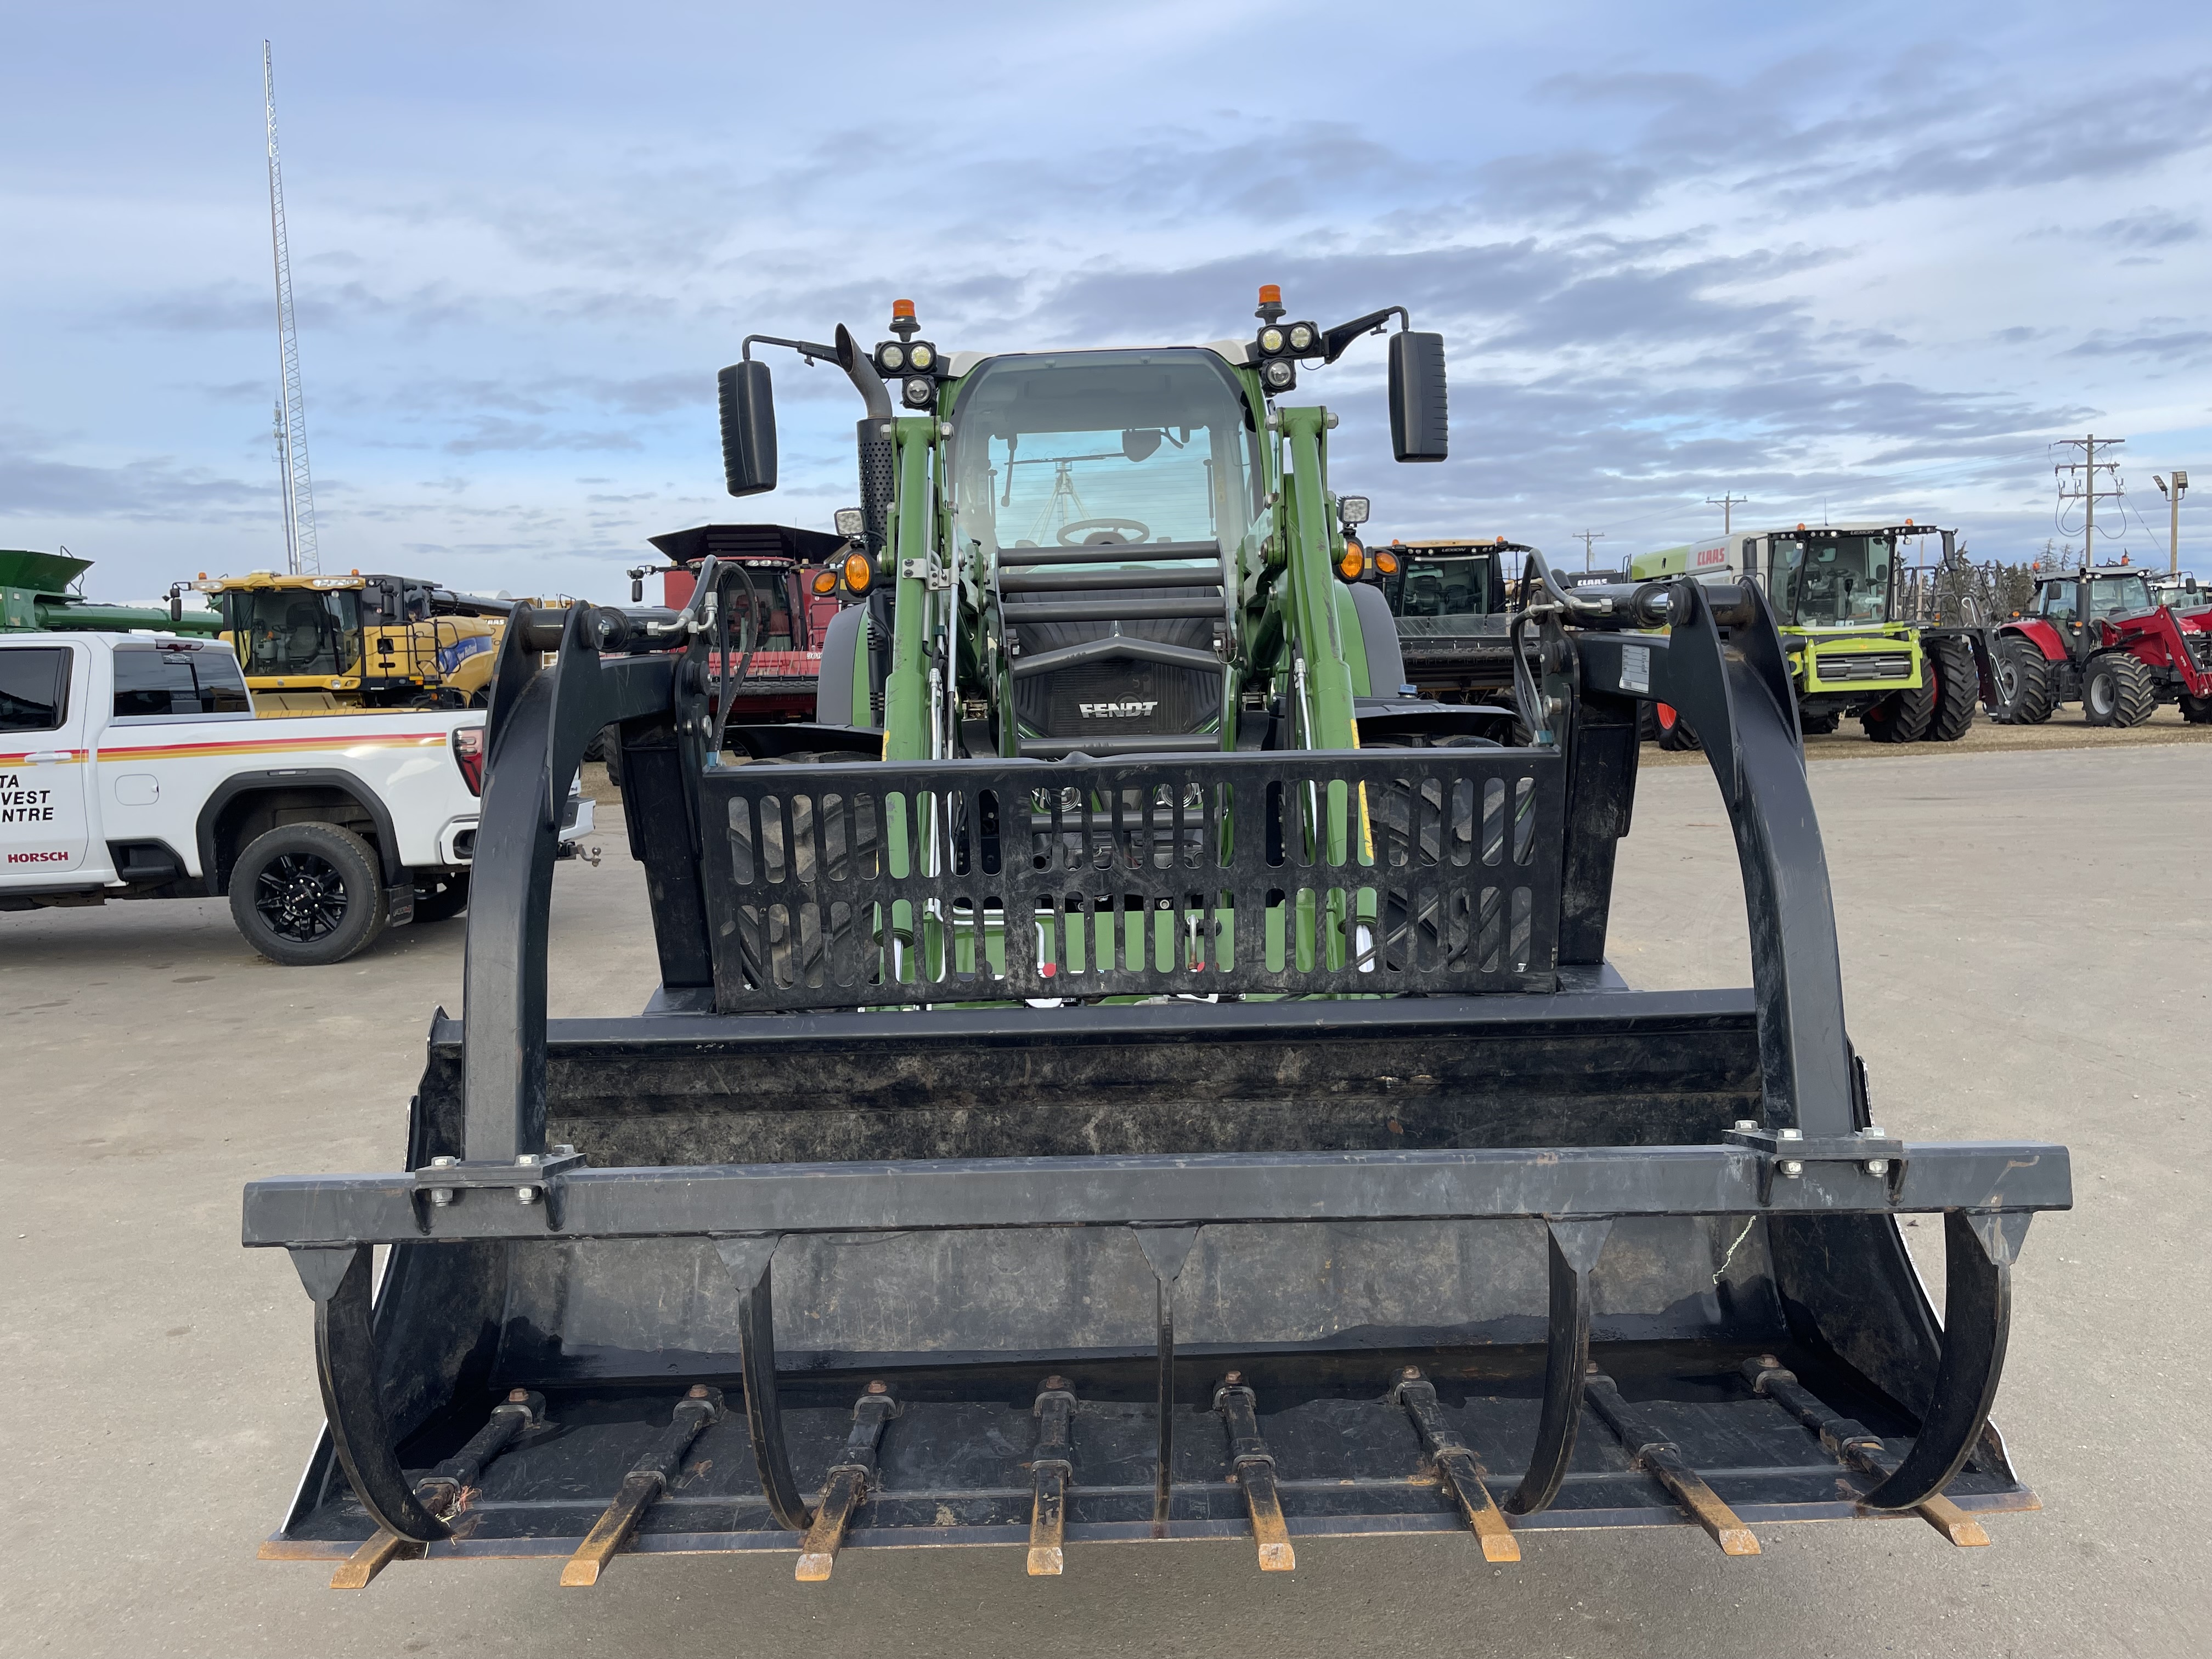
(1114,1077)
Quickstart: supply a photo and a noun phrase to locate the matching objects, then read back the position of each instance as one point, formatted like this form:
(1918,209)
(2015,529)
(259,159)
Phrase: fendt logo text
(1117,711)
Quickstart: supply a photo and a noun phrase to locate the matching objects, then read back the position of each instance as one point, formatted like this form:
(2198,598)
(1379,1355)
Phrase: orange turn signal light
(1353,562)
(859,573)
(1387,563)
(825,581)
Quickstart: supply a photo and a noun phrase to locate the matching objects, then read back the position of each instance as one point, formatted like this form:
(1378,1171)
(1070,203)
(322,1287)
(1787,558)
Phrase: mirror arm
(1337,341)
(806,348)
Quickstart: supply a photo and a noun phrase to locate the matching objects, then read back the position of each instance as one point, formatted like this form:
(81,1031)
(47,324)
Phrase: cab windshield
(1102,449)
(1832,581)
(294,630)
(2109,596)
(1431,585)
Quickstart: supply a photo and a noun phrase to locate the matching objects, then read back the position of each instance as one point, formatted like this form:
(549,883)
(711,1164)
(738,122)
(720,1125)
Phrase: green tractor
(1108,553)
(1113,1076)
(1835,596)
(35,597)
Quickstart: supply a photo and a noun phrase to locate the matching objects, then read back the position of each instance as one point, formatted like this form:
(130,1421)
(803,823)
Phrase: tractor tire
(2197,711)
(307,895)
(1647,722)
(790,951)
(1902,716)
(2117,691)
(1957,690)
(440,895)
(1674,734)
(1819,724)
(2025,693)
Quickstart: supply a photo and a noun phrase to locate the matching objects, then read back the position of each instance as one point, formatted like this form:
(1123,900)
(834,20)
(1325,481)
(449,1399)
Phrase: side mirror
(748,428)
(1419,420)
(637,590)
(177,602)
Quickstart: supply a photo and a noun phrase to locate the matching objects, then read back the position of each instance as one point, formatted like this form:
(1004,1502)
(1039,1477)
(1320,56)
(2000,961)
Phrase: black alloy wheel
(307,895)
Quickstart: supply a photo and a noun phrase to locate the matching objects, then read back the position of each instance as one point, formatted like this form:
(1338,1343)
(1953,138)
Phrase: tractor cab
(1450,598)
(2113,592)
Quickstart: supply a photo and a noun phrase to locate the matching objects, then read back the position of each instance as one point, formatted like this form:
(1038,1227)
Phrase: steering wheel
(1068,538)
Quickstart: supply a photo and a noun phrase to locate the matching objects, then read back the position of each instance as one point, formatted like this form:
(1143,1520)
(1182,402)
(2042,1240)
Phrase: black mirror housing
(748,404)
(1420,428)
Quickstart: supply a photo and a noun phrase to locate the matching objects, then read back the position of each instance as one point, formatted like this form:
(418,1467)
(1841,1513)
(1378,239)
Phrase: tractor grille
(1840,666)
(1384,872)
(1118,699)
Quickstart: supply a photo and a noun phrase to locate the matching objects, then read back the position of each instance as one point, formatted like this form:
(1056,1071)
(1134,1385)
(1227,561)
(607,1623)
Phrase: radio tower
(300,558)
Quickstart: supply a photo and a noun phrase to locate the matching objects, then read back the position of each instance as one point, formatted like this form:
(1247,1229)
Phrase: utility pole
(2077,481)
(1726,504)
(2174,520)
(1586,537)
(301,557)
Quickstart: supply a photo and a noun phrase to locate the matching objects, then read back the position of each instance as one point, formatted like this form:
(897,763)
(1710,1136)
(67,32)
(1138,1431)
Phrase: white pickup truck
(131,766)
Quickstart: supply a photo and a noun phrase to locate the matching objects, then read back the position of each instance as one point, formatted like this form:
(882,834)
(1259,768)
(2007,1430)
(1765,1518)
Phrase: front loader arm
(1324,720)
(906,693)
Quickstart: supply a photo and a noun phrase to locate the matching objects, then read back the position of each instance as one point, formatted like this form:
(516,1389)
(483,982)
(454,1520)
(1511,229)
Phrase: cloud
(2151,228)
(32,484)
(2184,345)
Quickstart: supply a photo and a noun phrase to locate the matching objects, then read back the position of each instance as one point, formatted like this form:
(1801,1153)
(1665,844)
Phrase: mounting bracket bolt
(1790,1166)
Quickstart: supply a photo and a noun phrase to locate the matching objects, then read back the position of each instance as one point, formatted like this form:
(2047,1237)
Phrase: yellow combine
(312,644)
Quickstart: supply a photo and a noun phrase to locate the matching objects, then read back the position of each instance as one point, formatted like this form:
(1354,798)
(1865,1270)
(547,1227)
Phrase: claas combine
(1122,1073)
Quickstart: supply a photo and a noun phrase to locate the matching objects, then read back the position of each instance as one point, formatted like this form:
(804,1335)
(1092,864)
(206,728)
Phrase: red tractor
(797,577)
(2133,654)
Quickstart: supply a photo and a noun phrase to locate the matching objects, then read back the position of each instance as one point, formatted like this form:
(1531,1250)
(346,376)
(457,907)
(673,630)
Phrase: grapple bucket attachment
(1249,1146)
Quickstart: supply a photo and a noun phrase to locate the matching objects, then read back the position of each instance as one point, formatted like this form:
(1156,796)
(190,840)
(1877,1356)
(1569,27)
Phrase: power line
(301,557)
(1728,504)
(2077,482)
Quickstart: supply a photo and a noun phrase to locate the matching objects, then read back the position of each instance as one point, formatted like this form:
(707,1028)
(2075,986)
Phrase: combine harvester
(1143,1085)
(36,597)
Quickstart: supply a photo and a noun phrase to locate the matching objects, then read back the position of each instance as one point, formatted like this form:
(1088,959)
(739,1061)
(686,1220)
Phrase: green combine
(35,597)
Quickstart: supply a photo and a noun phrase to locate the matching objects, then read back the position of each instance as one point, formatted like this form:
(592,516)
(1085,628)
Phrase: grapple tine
(1255,1468)
(847,1486)
(642,1485)
(439,1492)
(1166,1249)
(749,1260)
(1978,1247)
(1574,1248)
(1051,1470)
(1662,1459)
(1855,1444)
(1461,1470)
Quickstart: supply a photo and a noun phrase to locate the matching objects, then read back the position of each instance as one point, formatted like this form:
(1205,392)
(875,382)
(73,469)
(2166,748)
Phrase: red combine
(786,567)
(2135,653)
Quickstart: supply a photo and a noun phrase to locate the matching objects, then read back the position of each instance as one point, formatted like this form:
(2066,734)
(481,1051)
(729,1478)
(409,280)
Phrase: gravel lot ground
(2028,951)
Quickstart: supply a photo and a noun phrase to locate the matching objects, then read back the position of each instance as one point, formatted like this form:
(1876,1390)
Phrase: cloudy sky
(1846,259)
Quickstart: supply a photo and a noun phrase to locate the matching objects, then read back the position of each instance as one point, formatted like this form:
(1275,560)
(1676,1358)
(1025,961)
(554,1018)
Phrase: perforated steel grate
(1379,873)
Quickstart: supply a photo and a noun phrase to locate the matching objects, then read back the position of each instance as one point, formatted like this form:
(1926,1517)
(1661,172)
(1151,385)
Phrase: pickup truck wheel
(307,895)
(440,895)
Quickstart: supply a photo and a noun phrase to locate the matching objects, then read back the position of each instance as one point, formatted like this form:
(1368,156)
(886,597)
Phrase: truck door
(44,710)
